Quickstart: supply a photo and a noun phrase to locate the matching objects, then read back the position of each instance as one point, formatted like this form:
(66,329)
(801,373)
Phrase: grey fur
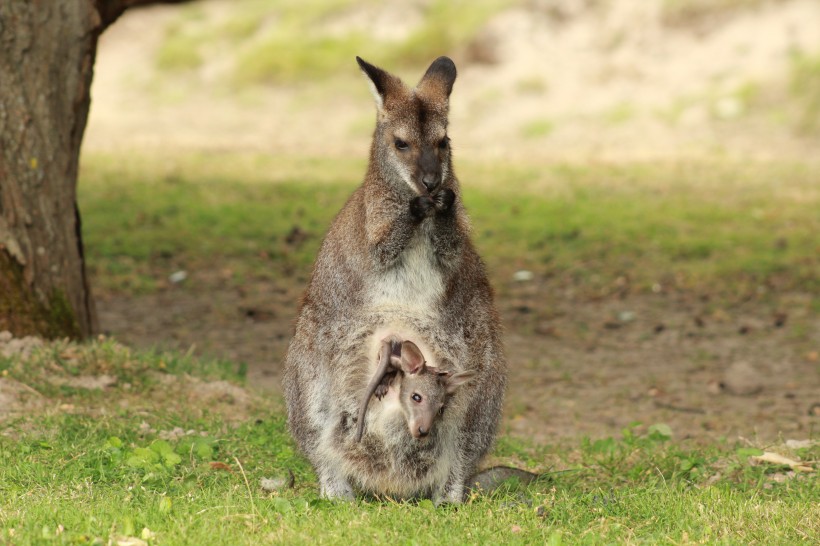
(397,260)
(423,390)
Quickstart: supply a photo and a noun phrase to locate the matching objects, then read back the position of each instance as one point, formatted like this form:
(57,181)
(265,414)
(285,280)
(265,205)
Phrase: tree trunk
(47,51)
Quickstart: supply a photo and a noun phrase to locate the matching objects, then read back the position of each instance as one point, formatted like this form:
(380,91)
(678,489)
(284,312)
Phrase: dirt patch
(576,369)
(11,346)
(250,325)
(179,393)
(705,371)
(17,398)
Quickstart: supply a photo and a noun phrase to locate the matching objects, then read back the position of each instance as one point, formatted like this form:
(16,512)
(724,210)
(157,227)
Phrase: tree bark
(47,51)
(46,57)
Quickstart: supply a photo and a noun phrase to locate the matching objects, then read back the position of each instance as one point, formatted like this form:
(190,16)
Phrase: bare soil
(576,369)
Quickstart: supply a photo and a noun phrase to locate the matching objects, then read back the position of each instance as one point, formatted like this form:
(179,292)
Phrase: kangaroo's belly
(415,281)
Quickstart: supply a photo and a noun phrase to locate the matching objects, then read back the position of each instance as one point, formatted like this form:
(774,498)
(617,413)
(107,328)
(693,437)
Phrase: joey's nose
(430,181)
(422,432)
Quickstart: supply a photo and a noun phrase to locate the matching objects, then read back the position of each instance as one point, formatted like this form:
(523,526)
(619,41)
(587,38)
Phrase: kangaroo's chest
(415,281)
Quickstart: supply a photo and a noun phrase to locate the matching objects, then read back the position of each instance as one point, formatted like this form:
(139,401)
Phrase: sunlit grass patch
(719,228)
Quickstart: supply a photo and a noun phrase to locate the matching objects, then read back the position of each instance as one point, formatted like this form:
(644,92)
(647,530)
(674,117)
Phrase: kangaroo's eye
(443,143)
(416,397)
(401,145)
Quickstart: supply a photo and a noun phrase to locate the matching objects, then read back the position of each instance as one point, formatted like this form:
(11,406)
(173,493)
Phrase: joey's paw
(381,391)
(443,200)
(422,206)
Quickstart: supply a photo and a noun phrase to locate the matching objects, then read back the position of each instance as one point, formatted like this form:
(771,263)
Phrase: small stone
(523,276)
(177,276)
(278,483)
(742,379)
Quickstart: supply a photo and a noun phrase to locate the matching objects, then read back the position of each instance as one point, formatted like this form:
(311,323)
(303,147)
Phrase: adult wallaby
(397,261)
(422,390)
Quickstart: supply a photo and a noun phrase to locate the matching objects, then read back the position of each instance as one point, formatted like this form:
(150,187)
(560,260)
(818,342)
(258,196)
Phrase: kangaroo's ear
(381,82)
(412,361)
(456,380)
(437,82)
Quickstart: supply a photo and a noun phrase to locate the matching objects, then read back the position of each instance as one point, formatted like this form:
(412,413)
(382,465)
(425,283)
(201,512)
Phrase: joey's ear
(437,82)
(381,82)
(412,361)
(458,379)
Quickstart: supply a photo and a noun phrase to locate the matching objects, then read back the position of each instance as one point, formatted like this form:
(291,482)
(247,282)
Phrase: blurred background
(642,176)
(538,79)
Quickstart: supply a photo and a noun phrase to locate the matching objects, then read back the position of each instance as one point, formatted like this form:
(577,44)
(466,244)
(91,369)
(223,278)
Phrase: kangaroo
(397,261)
(423,389)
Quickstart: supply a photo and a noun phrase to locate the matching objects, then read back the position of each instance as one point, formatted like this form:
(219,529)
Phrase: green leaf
(146,454)
(171,459)
(162,447)
(203,449)
(427,505)
(165,505)
(659,432)
(687,464)
(281,505)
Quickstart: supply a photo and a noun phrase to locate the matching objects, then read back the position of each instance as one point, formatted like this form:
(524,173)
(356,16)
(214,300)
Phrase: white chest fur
(415,281)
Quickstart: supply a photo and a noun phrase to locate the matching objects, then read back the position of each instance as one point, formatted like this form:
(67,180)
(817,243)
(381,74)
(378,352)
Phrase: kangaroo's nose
(430,181)
(423,432)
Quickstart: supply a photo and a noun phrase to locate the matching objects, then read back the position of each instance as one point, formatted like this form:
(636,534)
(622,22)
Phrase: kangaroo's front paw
(422,206)
(443,200)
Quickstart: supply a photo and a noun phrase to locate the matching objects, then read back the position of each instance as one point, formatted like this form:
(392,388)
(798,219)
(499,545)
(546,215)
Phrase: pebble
(742,379)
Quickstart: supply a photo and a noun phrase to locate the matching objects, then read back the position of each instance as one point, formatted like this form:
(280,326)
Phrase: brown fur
(397,256)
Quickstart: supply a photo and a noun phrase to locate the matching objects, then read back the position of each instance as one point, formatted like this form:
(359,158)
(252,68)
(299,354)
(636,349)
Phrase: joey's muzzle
(420,428)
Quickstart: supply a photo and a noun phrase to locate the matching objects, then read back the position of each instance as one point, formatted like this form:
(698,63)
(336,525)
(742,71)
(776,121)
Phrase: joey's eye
(401,145)
(416,397)
(443,143)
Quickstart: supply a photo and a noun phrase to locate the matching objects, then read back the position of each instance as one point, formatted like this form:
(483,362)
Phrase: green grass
(805,90)
(89,468)
(721,228)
